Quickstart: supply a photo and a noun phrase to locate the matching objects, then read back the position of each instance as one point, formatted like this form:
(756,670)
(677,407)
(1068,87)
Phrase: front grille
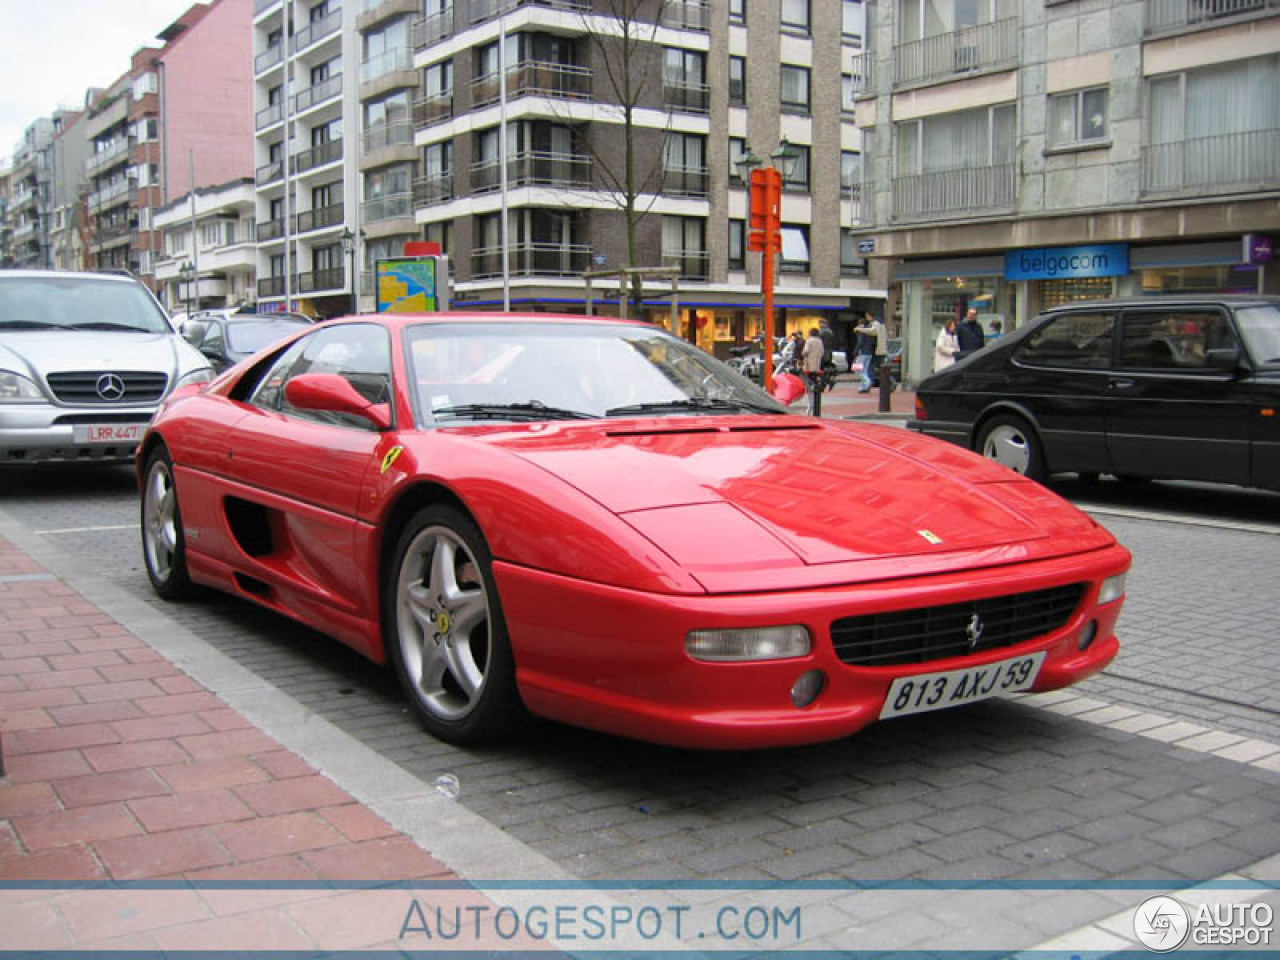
(82,387)
(933,633)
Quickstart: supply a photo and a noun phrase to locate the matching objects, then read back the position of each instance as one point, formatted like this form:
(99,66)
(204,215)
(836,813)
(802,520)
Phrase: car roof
(1171,299)
(69,274)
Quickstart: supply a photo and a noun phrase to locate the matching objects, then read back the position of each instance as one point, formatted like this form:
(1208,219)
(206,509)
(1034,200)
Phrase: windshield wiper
(108,325)
(533,410)
(689,403)
(36,325)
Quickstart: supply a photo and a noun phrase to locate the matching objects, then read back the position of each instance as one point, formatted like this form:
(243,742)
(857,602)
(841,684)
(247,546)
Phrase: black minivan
(1162,387)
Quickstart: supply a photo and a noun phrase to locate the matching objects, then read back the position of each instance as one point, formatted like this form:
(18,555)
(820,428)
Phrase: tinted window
(1074,340)
(359,353)
(1174,340)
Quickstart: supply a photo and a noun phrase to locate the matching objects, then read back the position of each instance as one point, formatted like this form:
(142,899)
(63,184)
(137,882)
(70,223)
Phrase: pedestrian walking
(813,354)
(946,346)
(872,331)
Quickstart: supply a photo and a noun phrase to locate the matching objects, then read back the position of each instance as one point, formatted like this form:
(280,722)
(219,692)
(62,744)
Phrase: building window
(850,172)
(738,81)
(1078,117)
(738,11)
(795,249)
(684,245)
(327,195)
(848,92)
(918,19)
(737,150)
(965,140)
(441,233)
(737,245)
(328,257)
(795,88)
(854,21)
(684,79)
(852,263)
(799,178)
(437,79)
(684,164)
(795,15)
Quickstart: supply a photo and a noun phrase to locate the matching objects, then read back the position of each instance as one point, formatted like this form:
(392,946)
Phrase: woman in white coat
(946,347)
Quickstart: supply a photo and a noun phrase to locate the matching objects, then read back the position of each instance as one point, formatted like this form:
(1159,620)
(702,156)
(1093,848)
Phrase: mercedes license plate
(109,432)
(950,688)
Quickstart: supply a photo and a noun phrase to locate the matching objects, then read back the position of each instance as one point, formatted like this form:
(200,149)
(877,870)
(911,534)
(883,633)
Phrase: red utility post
(765,236)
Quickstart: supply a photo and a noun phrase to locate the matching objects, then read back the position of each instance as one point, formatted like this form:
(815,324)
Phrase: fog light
(1087,634)
(751,643)
(1112,589)
(805,690)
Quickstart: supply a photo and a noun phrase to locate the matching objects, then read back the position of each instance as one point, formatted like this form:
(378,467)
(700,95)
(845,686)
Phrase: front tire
(445,632)
(164,546)
(1009,440)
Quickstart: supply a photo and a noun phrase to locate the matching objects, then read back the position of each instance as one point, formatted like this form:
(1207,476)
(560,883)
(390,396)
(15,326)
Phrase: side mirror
(330,393)
(1223,358)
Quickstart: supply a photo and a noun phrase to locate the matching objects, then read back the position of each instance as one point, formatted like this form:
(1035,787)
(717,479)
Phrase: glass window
(795,15)
(738,81)
(359,353)
(852,263)
(1174,340)
(1075,340)
(966,139)
(799,177)
(737,11)
(853,21)
(795,249)
(737,150)
(795,88)
(1078,117)
(737,245)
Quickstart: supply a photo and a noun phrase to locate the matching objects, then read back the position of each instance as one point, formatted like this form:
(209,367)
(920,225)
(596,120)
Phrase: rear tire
(164,546)
(1009,440)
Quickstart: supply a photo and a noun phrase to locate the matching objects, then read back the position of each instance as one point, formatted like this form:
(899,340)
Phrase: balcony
(428,30)
(116,150)
(390,207)
(685,181)
(692,264)
(487,9)
(105,196)
(947,56)
(320,218)
(1164,15)
(534,168)
(955,193)
(860,75)
(686,97)
(331,279)
(685,15)
(398,59)
(318,156)
(851,194)
(313,33)
(380,136)
(273,287)
(268,173)
(532,259)
(268,116)
(260,5)
(432,190)
(268,58)
(1228,162)
(318,93)
(269,230)
(432,109)
(535,78)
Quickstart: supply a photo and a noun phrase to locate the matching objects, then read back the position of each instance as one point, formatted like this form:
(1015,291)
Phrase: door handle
(1121,383)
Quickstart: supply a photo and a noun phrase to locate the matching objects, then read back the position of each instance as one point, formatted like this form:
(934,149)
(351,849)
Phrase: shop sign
(1259,248)
(1052,263)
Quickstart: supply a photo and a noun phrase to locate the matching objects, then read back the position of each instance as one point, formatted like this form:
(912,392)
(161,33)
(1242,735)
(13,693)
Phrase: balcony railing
(260,5)
(983,47)
(860,65)
(380,136)
(269,230)
(532,259)
(534,168)
(1235,161)
(389,61)
(433,189)
(333,278)
(117,149)
(685,15)
(315,32)
(387,208)
(269,115)
(269,173)
(432,109)
(486,9)
(535,78)
(685,181)
(428,30)
(273,286)
(318,156)
(851,193)
(1175,14)
(687,97)
(268,58)
(318,93)
(319,218)
(693,264)
(966,190)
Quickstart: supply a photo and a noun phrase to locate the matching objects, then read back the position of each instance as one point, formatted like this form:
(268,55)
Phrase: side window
(212,338)
(1075,340)
(1174,340)
(359,353)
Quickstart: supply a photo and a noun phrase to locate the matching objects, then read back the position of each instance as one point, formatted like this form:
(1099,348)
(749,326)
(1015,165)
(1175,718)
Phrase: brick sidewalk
(120,767)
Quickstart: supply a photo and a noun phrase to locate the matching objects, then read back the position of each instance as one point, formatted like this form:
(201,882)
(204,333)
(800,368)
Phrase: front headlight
(1112,589)
(195,378)
(751,643)
(15,388)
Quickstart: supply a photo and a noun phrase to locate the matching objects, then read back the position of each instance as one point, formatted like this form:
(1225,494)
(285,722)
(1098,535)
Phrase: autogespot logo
(1161,924)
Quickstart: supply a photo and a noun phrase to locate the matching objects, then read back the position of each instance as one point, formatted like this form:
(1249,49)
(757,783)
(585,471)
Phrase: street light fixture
(188,274)
(765,216)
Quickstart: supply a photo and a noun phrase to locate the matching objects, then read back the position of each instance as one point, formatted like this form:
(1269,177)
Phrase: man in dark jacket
(969,333)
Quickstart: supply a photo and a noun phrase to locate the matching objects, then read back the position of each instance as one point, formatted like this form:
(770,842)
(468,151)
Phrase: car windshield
(1260,327)
(525,371)
(78,303)
(250,336)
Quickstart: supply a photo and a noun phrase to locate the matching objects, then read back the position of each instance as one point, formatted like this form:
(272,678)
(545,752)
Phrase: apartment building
(1023,155)
(208,255)
(6,232)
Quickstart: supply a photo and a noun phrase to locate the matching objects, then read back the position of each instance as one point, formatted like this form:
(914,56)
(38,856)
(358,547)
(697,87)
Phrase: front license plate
(950,688)
(109,432)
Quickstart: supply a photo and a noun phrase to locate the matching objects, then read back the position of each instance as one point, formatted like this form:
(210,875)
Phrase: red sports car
(597,522)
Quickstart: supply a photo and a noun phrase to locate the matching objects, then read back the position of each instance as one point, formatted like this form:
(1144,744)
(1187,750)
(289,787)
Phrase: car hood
(63,351)
(773,501)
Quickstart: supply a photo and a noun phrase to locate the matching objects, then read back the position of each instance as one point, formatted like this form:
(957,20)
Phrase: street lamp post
(349,247)
(765,210)
(188,273)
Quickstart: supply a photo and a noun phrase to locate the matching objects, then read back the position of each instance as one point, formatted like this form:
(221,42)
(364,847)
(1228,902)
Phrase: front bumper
(44,433)
(614,660)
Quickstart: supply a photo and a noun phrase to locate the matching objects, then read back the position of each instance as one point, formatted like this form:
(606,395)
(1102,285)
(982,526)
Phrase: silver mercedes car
(85,359)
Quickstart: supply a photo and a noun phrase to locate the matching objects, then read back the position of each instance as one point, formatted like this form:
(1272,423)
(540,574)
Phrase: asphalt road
(1110,782)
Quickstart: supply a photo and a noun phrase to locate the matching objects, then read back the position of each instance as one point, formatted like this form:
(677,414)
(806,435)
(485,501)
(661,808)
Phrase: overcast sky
(51,51)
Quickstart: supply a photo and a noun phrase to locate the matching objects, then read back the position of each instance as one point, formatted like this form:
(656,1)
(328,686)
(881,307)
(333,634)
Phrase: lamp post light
(188,274)
(765,216)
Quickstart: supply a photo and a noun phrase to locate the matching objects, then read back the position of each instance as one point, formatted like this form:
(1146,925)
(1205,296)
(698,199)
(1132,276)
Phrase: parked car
(600,523)
(227,338)
(1182,388)
(85,360)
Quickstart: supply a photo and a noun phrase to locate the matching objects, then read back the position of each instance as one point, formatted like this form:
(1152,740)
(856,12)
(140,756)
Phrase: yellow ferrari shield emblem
(390,458)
